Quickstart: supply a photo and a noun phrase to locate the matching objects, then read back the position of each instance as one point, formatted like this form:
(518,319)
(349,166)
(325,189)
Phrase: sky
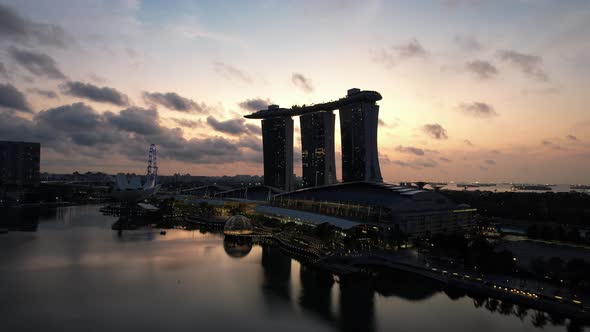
(488,90)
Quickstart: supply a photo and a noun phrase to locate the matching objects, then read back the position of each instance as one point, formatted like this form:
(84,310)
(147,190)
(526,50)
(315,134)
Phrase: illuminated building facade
(317,149)
(359,116)
(277,141)
(358,129)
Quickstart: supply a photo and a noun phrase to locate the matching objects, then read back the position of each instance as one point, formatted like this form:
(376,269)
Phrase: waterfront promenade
(534,294)
(486,286)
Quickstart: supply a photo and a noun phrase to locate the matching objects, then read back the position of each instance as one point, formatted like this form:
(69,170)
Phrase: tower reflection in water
(355,295)
(316,292)
(23,220)
(276,269)
(355,307)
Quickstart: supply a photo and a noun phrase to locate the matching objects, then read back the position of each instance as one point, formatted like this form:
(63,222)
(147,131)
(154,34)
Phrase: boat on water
(467,185)
(536,187)
(486,184)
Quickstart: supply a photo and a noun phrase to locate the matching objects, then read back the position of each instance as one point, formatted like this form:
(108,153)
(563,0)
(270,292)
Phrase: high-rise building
(317,148)
(277,142)
(19,165)
(358,127)
(359,116)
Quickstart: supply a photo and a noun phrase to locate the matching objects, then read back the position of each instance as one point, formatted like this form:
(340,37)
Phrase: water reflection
(354,307)
(146,234)
(538,318)
(237,247)
(404,285)
(316,292)
(138,280)
(357,304)
(276,268)
(23,220)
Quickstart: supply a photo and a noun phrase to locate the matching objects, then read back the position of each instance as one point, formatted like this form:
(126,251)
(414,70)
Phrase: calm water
(76,274)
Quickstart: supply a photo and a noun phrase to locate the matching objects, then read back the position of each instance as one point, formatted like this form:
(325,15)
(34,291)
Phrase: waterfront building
(19,167)
(129,187)
(209,190)
(317,149)
(277,141)
(238,225)
(359,117)
(260,193)
(358,129)
(387,208)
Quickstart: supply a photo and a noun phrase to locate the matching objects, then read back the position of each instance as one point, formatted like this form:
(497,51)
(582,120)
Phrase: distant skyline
(472,90)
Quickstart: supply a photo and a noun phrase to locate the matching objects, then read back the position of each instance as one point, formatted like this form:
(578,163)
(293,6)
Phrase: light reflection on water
(75,273)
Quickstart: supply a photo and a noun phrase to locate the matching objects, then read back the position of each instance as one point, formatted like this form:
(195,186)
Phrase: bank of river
(73,272)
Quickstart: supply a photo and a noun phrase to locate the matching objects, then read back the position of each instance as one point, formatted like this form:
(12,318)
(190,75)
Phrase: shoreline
(350,265)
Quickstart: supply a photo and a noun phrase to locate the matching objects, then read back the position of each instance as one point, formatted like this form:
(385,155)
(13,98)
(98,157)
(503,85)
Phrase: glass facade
(317,149)
(238,225)
(358,127)
(359,116)
(277,141)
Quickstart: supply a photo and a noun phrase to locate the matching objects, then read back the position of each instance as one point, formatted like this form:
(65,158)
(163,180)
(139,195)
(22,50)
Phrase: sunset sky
(472,90)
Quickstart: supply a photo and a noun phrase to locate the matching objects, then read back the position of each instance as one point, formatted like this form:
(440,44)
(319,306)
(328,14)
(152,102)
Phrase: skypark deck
(361,96)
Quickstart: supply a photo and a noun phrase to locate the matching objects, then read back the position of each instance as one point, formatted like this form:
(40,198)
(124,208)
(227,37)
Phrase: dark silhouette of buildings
(358,129)
(277,141)
(359,116)
(317,149)
(19,167)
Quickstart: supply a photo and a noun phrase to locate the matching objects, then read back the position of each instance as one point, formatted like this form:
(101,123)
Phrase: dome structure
(238,225)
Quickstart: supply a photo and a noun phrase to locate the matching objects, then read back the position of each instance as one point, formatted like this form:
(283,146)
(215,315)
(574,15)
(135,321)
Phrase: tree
(555,266)
(573,236)
(521,312)
(539,319)
(538,267)
(324,231)
(578,272)
(532,231)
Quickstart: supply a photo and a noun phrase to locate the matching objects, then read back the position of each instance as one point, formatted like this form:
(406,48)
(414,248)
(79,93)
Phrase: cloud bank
(435,131)
(173,101)
(95,93)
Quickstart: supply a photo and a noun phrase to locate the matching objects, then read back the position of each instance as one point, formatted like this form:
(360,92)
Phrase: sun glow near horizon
(510,101)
